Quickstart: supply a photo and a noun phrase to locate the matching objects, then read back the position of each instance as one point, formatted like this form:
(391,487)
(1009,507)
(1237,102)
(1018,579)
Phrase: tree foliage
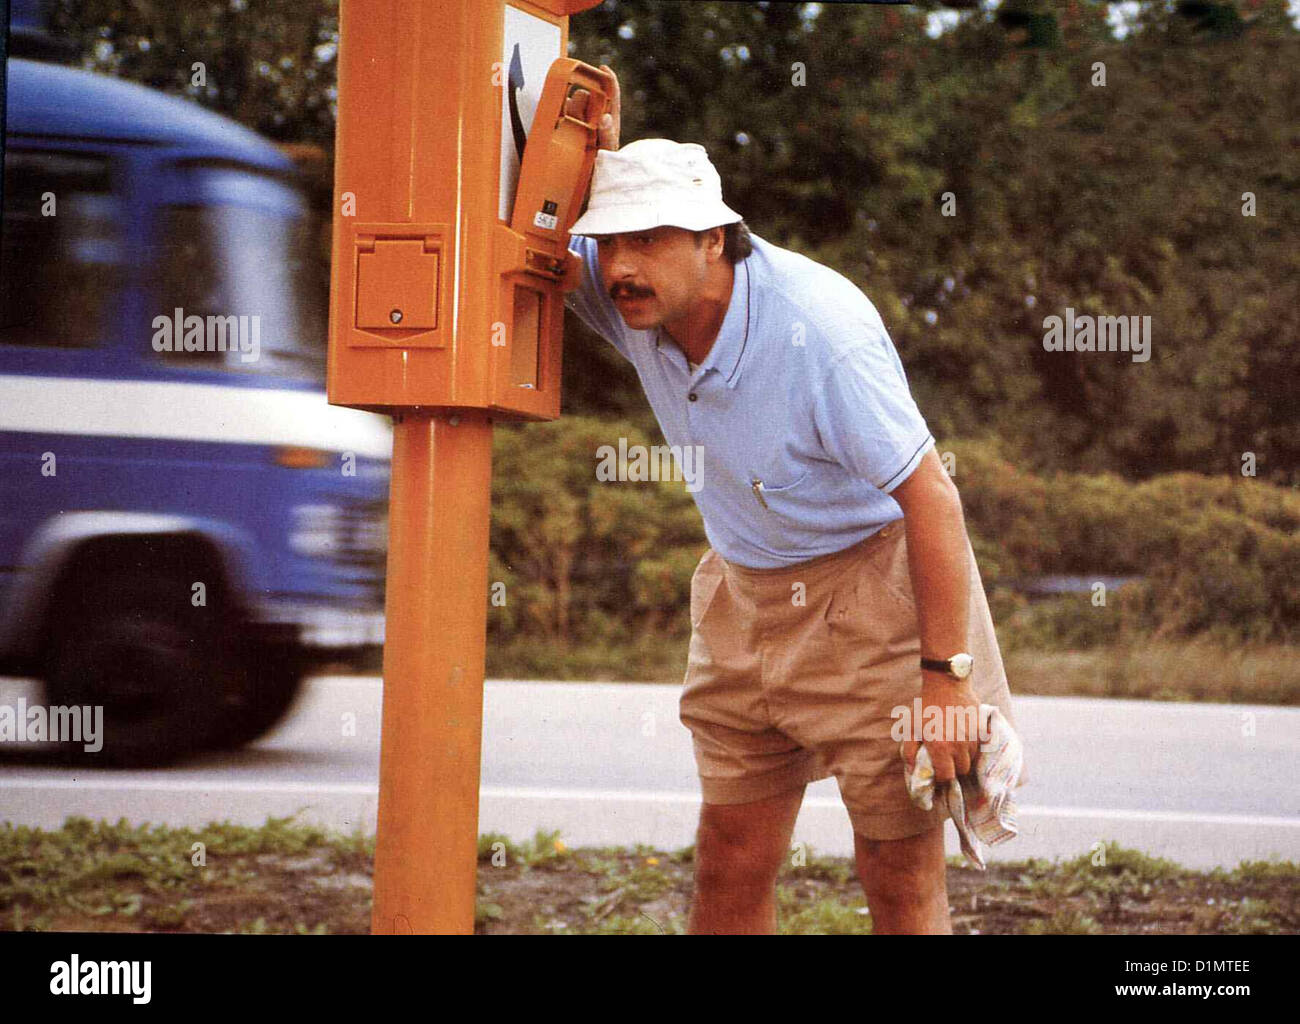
(842,131)
(1122,199)
(839,130)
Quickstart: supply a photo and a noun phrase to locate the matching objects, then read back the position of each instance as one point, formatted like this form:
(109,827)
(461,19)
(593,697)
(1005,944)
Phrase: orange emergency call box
(457,177)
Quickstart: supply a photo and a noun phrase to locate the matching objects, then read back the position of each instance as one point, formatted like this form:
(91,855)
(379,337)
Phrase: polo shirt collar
(733,336)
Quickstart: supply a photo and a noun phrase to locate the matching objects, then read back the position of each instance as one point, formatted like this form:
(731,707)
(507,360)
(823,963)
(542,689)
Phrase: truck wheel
(267,689)
(135,645)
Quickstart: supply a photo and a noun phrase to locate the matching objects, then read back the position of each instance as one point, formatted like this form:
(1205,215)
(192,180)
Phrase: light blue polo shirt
(801,411)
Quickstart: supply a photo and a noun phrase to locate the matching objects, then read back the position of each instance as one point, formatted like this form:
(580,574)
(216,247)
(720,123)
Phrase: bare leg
(738,854)
(906,883)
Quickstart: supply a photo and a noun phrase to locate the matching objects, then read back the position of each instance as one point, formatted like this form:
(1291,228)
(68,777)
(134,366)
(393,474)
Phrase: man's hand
(956,752)
(611,124)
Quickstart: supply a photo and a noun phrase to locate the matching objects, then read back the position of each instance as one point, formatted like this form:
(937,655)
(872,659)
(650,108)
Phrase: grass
(100,876)
(1174,671)
(650,660)
(287,878)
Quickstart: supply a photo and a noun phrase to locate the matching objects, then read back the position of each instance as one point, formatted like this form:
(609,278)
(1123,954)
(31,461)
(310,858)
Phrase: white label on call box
(529,46)
(545,217)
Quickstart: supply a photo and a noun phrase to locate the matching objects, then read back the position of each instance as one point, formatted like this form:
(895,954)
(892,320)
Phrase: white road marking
(611,795)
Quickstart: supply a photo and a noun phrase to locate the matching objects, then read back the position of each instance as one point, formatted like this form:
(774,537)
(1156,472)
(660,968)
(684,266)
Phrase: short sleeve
(865,414)
(590,300)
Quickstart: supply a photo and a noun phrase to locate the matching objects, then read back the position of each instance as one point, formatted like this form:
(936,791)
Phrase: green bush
(582,559)
(607,565)
(1219,554)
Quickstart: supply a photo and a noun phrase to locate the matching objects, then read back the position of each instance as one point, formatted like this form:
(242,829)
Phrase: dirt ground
(620,892)
(323,886)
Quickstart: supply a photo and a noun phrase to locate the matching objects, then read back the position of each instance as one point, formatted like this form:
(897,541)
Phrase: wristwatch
(958,666)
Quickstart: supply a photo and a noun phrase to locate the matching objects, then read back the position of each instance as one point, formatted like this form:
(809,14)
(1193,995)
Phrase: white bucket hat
(652,182)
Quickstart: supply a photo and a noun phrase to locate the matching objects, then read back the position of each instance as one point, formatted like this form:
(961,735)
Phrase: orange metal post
(426,852)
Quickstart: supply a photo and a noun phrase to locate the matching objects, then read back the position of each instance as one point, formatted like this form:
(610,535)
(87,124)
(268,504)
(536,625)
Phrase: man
(838,552)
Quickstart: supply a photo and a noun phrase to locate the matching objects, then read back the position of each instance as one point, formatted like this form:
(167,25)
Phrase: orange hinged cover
(397,283)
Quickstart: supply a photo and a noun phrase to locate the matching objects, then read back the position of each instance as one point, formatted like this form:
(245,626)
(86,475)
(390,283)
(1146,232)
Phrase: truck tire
(267,689)
(134,644)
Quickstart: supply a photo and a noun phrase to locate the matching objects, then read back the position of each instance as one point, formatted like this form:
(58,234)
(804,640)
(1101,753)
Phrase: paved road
(1203,785)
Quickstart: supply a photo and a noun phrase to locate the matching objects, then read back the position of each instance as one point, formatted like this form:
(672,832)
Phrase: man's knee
(903,866)
(742,845)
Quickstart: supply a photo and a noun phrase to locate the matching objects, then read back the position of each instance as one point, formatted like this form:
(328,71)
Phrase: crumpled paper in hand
(981,805)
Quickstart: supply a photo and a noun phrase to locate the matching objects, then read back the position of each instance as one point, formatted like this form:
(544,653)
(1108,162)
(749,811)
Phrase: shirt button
(692,396)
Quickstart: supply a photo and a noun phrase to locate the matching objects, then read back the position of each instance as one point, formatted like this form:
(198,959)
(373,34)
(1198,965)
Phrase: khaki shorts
(793,672)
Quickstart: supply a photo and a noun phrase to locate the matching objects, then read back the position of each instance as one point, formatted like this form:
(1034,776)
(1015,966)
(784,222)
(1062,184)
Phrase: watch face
(961,664)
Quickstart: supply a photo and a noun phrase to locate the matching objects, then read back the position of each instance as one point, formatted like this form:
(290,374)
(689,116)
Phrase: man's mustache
(619,290)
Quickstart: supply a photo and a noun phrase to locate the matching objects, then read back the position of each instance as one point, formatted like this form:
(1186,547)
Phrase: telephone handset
(558,160)
(531,255)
